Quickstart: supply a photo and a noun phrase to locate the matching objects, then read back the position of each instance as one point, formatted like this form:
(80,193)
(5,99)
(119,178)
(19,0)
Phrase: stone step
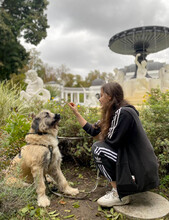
(146,205)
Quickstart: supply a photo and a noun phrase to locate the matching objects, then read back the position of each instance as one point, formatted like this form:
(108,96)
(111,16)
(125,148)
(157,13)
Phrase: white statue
(34,89)
(119,76)
(164,77)
(141,71)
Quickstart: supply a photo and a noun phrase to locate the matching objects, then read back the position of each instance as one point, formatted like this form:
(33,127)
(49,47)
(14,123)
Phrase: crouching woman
(123,154)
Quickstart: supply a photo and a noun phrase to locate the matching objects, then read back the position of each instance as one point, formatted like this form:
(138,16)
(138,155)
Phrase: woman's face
(104,98)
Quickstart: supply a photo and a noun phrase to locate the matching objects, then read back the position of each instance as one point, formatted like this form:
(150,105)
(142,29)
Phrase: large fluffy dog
(41,156)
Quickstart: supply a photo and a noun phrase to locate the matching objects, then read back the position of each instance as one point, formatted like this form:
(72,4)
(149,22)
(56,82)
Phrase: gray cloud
(80,31)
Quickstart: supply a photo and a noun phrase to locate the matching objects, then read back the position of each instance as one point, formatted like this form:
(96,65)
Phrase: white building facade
(81,95)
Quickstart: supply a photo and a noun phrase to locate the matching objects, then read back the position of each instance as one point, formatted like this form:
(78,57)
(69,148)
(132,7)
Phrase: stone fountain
(140,42)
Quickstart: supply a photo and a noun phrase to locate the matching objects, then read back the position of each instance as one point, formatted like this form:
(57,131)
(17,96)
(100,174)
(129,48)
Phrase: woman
(123,154)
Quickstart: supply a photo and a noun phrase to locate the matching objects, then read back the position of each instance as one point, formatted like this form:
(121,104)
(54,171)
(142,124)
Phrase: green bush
(9,100)
(19,80)
(68,125)
(12,137)
(53,91)
(155,120)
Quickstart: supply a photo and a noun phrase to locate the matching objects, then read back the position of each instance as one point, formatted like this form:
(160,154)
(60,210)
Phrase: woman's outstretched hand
(80,119)
(73,107)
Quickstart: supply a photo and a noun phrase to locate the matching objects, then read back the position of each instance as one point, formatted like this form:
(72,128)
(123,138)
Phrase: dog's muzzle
(57,117)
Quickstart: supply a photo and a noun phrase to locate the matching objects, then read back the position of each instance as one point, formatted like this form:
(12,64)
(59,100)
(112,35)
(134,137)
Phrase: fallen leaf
(76,205)
(67,210)
(62,202)
(69,216)
(80,176)
(52,212)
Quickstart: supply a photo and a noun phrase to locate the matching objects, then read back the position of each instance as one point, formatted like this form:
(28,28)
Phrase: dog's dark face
(45,121)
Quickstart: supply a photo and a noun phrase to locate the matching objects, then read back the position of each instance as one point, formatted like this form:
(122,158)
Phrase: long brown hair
(115,91)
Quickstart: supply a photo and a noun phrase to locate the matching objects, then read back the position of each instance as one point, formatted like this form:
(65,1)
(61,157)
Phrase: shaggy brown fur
(41,156)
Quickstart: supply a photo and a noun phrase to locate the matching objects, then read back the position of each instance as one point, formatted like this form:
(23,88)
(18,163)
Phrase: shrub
(18,80)
(12,138)
(68,123)
(155,120)
(9,100)
(53,91)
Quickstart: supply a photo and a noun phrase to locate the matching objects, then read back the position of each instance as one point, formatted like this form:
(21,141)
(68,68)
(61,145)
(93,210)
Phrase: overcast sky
(80,31)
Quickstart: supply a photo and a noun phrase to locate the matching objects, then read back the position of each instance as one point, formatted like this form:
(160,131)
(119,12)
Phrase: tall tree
(107,77)
(21,18)
(92,76)
(35,61)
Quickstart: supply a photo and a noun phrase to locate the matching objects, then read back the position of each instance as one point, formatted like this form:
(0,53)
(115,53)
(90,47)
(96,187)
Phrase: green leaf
(108,215)
(32,213)
(51,213)
(112,211)
(80,176)
(76,205)
(100,209)
(25,210)
(41,211)
(69,216)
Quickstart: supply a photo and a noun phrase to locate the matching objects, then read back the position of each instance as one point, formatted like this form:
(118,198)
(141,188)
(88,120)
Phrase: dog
(41,157)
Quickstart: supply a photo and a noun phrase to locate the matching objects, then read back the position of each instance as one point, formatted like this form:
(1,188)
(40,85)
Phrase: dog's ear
(32,115)
(35,124)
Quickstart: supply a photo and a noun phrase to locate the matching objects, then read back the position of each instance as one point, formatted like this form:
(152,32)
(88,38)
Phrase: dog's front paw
(71,191)
(74,191)
(43,201)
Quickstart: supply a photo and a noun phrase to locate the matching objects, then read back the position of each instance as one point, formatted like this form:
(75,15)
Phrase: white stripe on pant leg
(114,160)
(108,156)
(101,168)
(110,179)
(105,172)
(98,149)
(107,153)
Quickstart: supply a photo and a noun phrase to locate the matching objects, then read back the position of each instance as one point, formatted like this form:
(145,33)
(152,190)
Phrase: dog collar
(40,133)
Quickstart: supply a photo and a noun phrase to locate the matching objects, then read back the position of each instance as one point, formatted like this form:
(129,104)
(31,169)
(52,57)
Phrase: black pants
(105,159)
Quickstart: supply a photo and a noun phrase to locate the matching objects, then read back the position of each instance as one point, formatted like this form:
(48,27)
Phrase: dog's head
(45,122)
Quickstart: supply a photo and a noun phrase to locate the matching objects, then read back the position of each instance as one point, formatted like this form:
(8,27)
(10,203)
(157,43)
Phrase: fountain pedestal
(136,89)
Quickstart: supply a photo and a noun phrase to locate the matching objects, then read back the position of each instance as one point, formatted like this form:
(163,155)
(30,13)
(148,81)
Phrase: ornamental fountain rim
(144,40)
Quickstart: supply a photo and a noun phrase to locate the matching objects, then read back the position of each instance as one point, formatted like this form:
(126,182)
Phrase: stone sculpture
(34,89)
(119,76)
(141,70)
(164,76)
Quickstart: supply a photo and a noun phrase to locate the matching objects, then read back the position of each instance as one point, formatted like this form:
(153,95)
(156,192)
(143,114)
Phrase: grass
(12,199)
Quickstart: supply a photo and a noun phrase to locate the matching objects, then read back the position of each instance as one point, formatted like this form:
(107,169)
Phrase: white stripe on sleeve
(114,123)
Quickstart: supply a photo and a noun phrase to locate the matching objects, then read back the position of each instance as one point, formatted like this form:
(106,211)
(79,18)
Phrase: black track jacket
(136,156)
